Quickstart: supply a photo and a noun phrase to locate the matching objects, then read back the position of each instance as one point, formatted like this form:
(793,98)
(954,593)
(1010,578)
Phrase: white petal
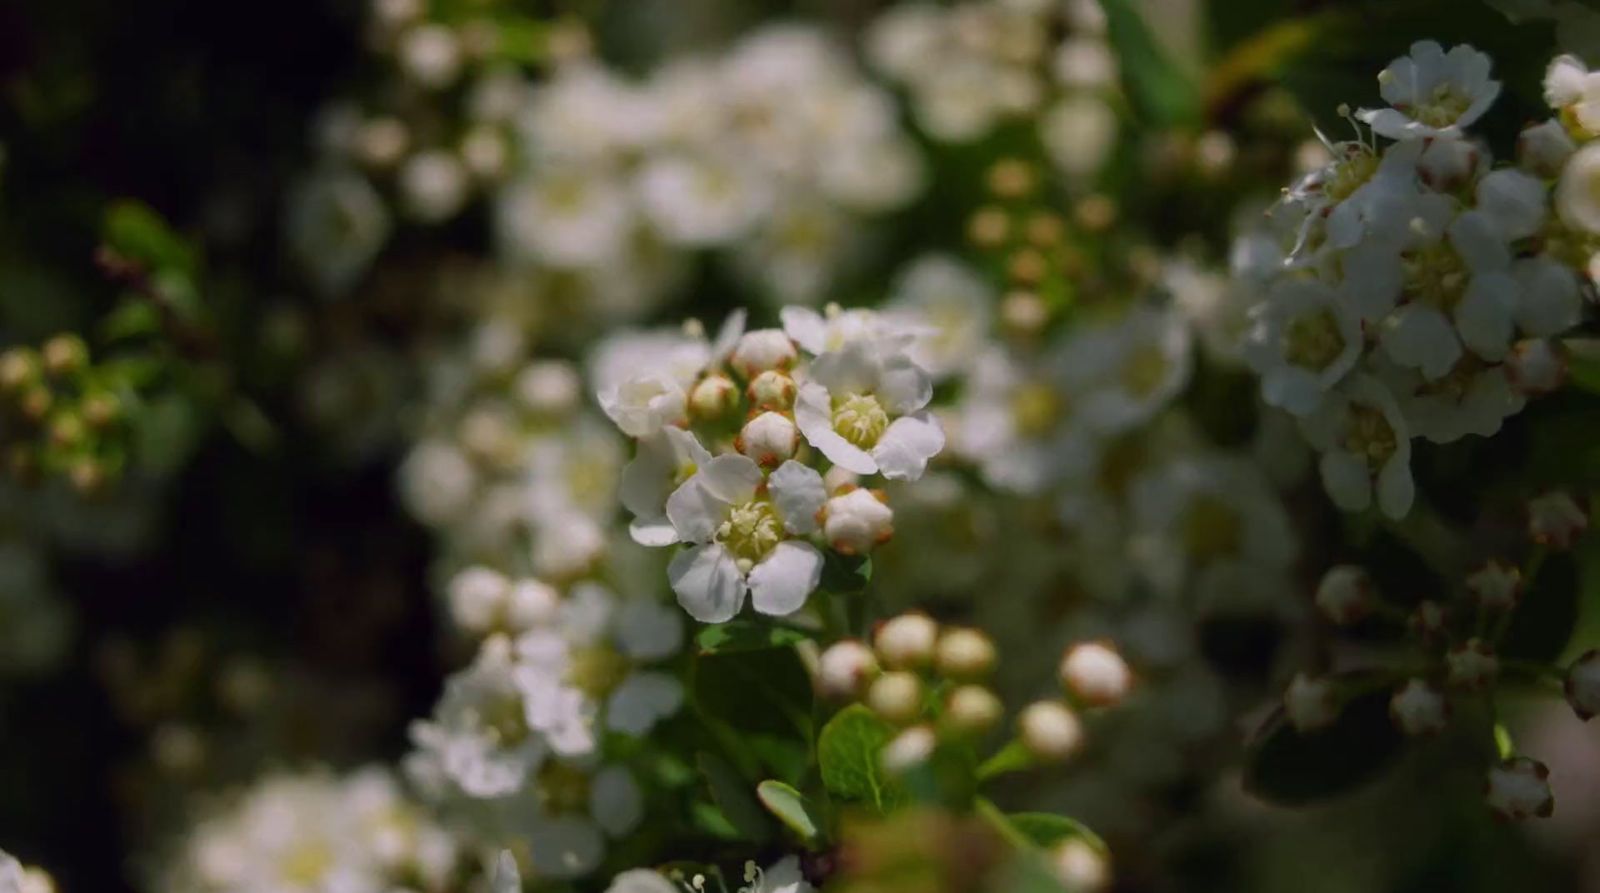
(654,532)
(1421,337)
(694,512)
(903,386)
(731,478)
(1390,123)
(1396,490)
(1345,478)
(506,877)
(903,451)
(780,583)
(648,630)
(798,492)
(1293,389)
(806,327)
(707,582)
(641,880)
(615,800)
(728,335)
(641,700)
(1484,316)
(1514,200)
(646,481)
(1549,302)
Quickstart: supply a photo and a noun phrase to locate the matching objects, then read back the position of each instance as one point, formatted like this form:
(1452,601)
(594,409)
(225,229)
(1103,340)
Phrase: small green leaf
(1289,768)
(138,233)
(849,751)
(791,808)
(845,574)
(1161,93)
(746,635)
(760,702)
(732,795)
(1542,623)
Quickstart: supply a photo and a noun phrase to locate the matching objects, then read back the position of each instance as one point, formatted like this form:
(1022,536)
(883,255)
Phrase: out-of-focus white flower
(566,218)
(1474,397)
(1544,149)
(337,225)
(1079,131)
(1310,703)
(862,409)
(948,305)
(1578,190)
(434,185)
(1366,448)
(430,55)
(742,538)
(1432,93)
(1305,339)
(1536,366)
(1496,585)
(1519,789)
(1345,594)
(1144,362)
(1419,709)
(854,523)
(479,733)
(701,200)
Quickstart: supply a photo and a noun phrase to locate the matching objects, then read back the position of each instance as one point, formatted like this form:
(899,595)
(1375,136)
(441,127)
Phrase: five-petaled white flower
(863,408)
(742,527)
(1366,447)
(1432,93)
(1305,339)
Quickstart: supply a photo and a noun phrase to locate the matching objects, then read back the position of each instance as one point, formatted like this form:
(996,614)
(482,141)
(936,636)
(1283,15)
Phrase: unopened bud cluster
(59,417)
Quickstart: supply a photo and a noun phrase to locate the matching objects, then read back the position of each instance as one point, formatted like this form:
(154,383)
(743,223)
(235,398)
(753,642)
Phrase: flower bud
(972,710)
(989,227)
(1472,664)
(908,750)
(1310,703)
(964,653)
(856,521)
(769,439)
(839,478)
(67,430)
(477,597)
(1419,709)
(1543,149)
(713,397)
(1050,731)
(906,641)
(1583,685)
(1446,165)
(36,403)
(1096,674)
(760,350)
(1536,366)
(1345,594)
(1427,621)
(430,55)
(1023,312)
(1518,789)
(844,669)
(101,410)
(1012,178)
(1080,867)
(65,355)
(485,152)
(896,696)
(531,603)
(88,477)
(1497,586)
(772,389)
(1555,519)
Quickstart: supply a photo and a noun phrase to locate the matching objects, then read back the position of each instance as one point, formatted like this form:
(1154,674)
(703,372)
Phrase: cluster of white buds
(1093,675)
(837,392)
(1414,288)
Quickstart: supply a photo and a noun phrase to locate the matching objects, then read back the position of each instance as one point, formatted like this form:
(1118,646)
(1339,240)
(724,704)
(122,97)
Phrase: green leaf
(845,574)
(1161,93)
(1543,622)
(791,808)
(1289,768)
(759,704)
(1046,829)
(732,795)
(138,233)
(849,751)
(746,635)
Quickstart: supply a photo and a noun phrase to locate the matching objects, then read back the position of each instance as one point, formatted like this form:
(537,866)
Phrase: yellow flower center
(1212,529)
(565,789)
(597,670)
(1436,275)
(1443,107)
(1145,370)
(1369,434)
(750,532)
(1351,174)
(504,716)
(860,419)
(1314,341)
(306,863)
(1036,408)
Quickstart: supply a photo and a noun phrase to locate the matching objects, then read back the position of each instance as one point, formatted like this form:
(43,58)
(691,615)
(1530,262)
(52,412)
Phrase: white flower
(1566,80)
(1432,93)
(1447,165)
(1578,190)
(855,522)
(1358,194)
(1017,422)
(1458,290)
(1519,789)
(862,409)
(1366,446)
(701,200)
(741,528)
(1556,520)
(836,328)
(1304,339)
(337,225)
(964,653)
(1472,664)
(1079,131)
(1419,709)
(949,306)
(1474,397)
(479,733)
(483,600)
(643,405)
(1582,685)
(1143,362)
(1310,703)
(1536,366)
(1080,866)
(434,185)
(565,218)
(430,55)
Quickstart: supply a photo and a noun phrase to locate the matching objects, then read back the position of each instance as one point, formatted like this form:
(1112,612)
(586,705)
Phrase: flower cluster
(733,438)
(1415,285)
